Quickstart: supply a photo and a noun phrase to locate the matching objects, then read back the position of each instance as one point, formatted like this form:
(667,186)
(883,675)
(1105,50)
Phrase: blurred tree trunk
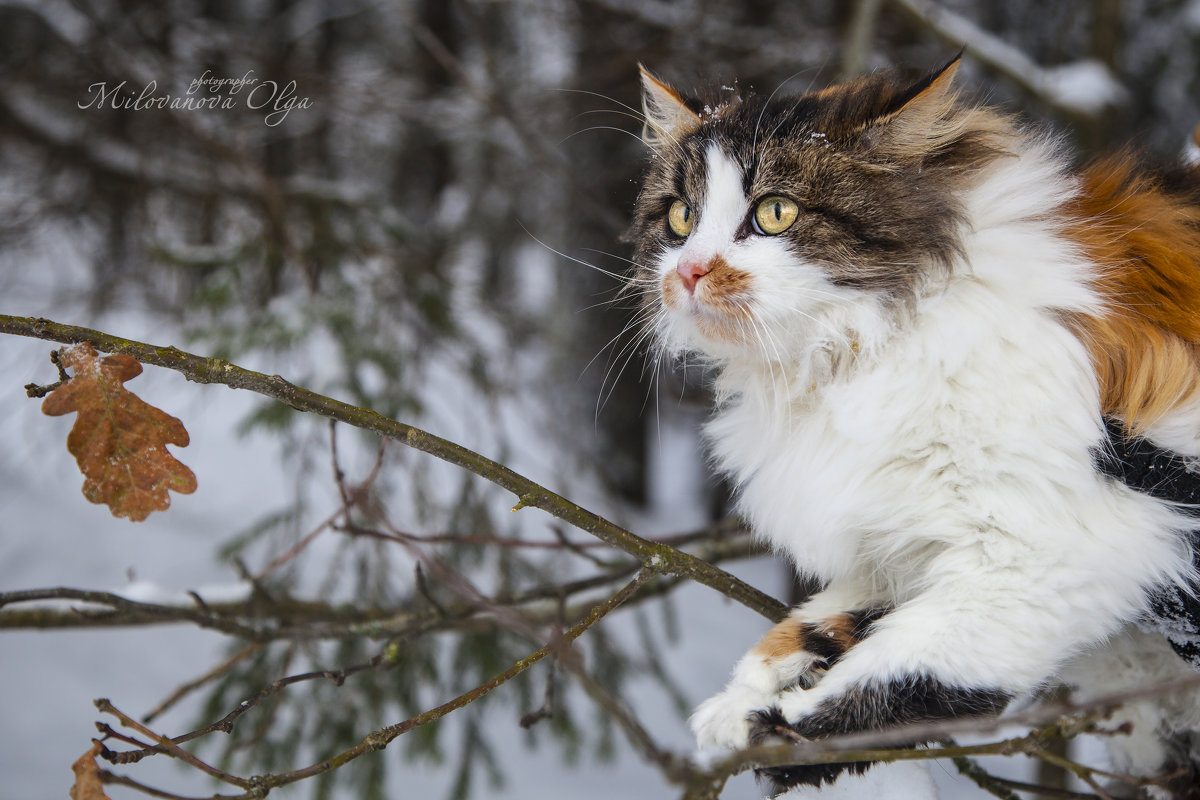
(859,36)
(1105,46)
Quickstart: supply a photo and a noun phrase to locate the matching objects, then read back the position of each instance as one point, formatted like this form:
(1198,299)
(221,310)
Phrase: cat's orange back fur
(1146,242)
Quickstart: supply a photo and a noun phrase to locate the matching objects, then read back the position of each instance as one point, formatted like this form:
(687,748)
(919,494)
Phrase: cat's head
(762,224)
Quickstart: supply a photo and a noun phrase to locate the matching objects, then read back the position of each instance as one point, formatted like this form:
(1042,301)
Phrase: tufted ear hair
(928,97)
(920,122)
(666,116)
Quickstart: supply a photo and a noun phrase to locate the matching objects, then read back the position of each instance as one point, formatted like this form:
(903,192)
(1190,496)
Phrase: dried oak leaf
(88,785)
(118,440)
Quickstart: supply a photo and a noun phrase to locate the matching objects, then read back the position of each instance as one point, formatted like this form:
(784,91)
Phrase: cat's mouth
(718,304)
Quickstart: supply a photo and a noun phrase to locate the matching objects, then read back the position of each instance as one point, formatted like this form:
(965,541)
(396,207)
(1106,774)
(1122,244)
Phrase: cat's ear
(665,115)
(918,123)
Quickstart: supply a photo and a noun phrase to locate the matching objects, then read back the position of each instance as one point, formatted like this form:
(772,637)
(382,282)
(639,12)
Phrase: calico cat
(956,383)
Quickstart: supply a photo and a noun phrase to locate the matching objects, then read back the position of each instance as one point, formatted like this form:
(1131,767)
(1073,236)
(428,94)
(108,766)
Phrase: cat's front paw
(775,724)
(797,703)
(722,722)
(783,718)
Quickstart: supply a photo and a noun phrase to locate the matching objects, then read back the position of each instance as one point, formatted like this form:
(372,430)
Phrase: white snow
(1191,15)
(903,780)
(1087,87)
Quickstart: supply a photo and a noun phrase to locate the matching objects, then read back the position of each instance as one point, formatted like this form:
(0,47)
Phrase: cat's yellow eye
(775,214)
(679,217)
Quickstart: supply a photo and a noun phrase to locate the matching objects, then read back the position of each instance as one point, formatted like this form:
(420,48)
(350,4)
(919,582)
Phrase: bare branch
(274,619)
(983,779)
(139,611)
(113,779)
(170,746)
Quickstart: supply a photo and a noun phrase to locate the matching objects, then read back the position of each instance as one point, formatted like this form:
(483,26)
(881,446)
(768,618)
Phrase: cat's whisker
(635,116)
(620,297)
(782,119)
(628,351)
(644,278)
(617,256)
(570,136)
(779,354)
(608,383)
(656,388)
(766,358)
(635,113)
(824,294)
(836,333)
(631,325)
(785,396)
(642,321)
(611,302)
(656,369)
(770,97)
(614,275)
(633,288)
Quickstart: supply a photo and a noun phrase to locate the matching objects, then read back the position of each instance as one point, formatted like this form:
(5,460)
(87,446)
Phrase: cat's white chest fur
(972,428)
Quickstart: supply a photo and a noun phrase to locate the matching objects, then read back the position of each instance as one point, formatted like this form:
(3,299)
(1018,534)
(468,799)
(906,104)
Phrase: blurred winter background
(414,235)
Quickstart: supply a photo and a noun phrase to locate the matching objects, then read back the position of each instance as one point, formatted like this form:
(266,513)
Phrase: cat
(956,383)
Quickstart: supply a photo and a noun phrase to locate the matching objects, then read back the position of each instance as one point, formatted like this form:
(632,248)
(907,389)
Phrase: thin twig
(350,498)
(1032,788)
(191,686)
(113,779)
(381,738)
(969,768)
(108,732)
(573,547)
(34,390)
(171,747)
(546,711)
(674,766)
(423,590)
(299,546)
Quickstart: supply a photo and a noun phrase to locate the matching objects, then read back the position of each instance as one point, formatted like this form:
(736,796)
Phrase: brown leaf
(118,440)
(88,785)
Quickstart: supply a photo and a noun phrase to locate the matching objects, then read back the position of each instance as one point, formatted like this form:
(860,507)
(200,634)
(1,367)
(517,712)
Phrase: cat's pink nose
(691,270)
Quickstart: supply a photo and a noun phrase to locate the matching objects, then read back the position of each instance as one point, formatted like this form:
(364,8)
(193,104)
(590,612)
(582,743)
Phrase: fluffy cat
(956,382)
